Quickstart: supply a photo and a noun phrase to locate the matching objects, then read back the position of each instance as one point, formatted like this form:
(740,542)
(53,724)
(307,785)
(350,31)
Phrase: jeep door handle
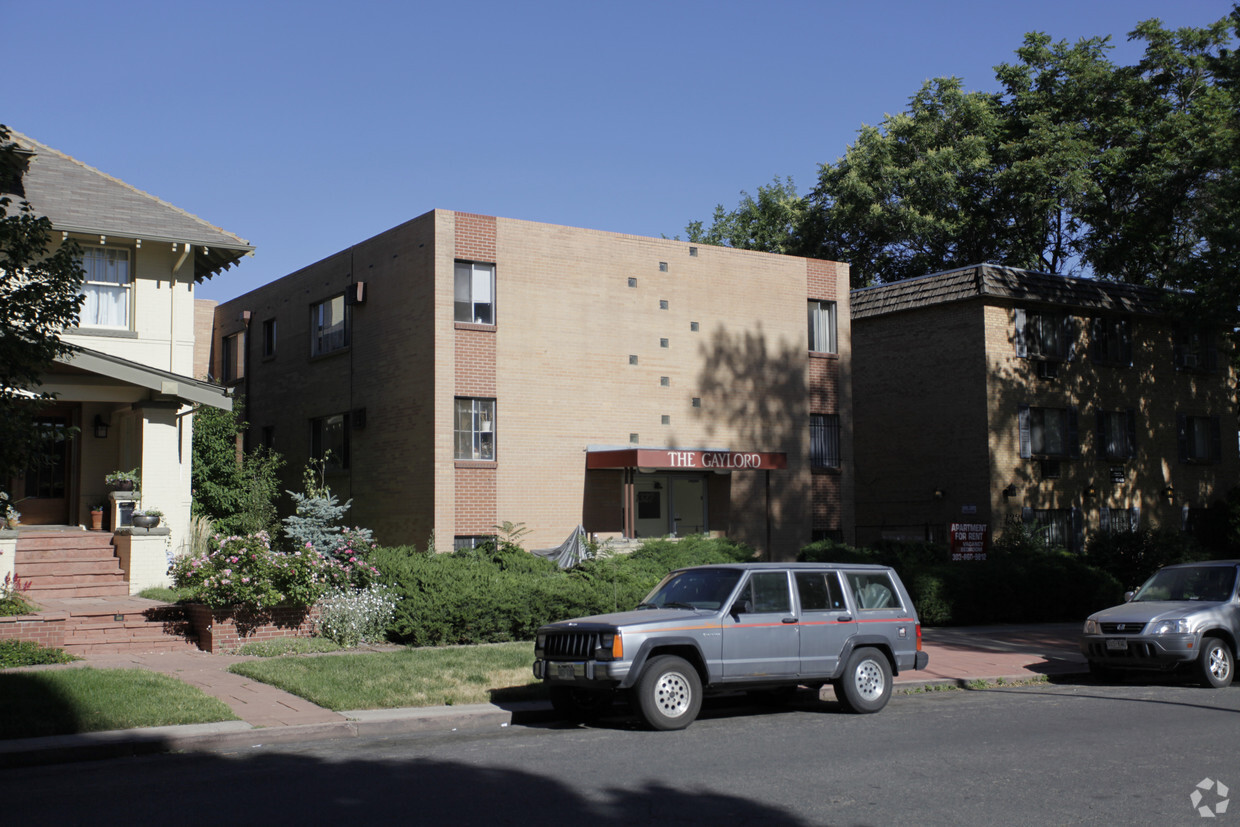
(790,620)
(844,619)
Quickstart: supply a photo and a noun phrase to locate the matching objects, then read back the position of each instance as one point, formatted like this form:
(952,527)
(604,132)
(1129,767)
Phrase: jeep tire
(865,685)
(669,693)
(1215,663)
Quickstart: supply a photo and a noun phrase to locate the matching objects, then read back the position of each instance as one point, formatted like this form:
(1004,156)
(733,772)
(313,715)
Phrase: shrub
(15,653)
(13,600)
(248,572)
(1133,556)
(352,616)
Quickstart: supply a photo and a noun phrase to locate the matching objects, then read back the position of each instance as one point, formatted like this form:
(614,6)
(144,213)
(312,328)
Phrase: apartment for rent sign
(969,541)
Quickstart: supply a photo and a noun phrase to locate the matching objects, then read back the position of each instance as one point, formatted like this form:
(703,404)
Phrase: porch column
(165,466)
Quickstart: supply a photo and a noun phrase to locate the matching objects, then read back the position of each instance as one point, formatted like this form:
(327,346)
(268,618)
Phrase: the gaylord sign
(660,459)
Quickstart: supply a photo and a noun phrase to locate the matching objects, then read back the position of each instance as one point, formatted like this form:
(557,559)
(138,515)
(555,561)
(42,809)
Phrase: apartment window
(233,357)
(329,326)
(329,441)
(824,440)
(1048,432)
(1117,434)
(474,293)
(1058,527)
(475,429)
(1043,335)
(1195,351)
(821,326)
(1110,341)
(267,437)
(463,542)
(1200,438)
(106,287)
(1119,520)
(269,338)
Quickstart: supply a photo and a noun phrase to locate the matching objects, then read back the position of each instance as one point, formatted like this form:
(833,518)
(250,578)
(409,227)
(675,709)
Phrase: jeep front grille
(571,645)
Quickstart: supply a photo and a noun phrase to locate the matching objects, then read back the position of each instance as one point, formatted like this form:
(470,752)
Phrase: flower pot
(123,485)
(96,521)
(145,521)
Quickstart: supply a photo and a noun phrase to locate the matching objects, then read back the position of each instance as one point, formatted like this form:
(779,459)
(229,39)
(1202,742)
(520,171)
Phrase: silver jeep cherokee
(1187,614)
(750,626)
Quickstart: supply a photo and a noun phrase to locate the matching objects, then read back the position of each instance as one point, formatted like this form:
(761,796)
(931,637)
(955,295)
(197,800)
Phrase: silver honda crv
(766,627)
(1187,614)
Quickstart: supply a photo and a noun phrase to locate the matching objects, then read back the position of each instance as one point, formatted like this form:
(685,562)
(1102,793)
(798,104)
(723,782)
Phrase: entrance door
(43,490)
(688,506)
(652,515)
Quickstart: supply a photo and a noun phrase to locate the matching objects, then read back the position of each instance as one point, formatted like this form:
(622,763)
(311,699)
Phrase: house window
(1119,520)
(1200,438)
(1058,527)
(462,542)
(821,326)
(475,429)
(1195,351)
(329,326)
(824,440)
(233,367)
(106,287)
(269,338)
(1048,432)
(1043,335)
(1117,434)
(474,293)
(329,441)
(1110,341)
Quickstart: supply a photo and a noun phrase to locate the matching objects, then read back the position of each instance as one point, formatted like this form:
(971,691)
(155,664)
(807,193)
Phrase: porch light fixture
(1090,490)
(1010,491)
(101,427)
(939,493)
(1168,493)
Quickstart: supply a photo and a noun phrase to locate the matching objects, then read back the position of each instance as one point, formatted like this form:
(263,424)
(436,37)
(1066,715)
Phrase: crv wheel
(865,685)
(1215,663)
(581,705)
(669,693)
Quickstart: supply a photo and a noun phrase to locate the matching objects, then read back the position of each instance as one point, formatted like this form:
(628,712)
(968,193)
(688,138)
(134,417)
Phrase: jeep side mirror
(741,607)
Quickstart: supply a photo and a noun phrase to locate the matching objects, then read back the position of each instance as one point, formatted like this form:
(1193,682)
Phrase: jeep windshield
(695,589)
(1212,584)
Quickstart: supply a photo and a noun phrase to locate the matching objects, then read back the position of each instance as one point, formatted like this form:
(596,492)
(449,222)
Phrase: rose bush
(247,572)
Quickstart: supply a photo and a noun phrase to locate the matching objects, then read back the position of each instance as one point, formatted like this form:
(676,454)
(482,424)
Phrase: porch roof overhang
(160,382)
(684,459)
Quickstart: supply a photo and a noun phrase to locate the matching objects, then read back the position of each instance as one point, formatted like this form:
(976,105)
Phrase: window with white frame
(1117,434)
(1043,334)
(822,326)
(329,326)
(474,293)
(824,440)
(462,542)
(475,428)
(106,286)
(1048,432)
(329,441)
(1200,438)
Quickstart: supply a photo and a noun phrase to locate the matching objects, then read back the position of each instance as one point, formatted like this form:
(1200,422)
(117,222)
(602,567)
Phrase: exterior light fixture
(1168,493)
(1090,490)
(1010,491)
(939,493)
(101,427)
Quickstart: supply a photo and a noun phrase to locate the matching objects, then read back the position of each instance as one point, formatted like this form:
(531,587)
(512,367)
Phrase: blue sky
(306,127)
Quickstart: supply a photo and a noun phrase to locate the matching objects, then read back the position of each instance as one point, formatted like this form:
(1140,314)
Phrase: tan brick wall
(567,322)
(204,320)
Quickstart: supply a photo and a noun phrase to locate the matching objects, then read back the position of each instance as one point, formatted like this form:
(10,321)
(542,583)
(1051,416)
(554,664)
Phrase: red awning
(692,460)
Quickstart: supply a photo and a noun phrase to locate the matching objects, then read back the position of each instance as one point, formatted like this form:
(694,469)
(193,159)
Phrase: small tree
(319,518)
(235,489)
(40,295)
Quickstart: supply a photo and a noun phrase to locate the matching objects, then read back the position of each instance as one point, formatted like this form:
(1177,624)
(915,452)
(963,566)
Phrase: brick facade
(597,337)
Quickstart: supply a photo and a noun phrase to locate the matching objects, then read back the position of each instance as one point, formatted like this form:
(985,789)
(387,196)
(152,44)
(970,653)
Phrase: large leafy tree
(40,295)
(235,489)
(1075,165)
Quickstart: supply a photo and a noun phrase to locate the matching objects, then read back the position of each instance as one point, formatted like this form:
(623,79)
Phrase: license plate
(1117,646)
(564,671)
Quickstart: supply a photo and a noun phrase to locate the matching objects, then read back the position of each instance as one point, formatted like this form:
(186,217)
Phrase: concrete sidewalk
(958,657)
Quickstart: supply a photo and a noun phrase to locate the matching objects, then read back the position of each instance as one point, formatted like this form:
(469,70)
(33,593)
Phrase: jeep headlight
(1091,627)
(540,642)
(1175,626)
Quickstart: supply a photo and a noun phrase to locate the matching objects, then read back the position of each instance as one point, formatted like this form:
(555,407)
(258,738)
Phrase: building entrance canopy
(665,459)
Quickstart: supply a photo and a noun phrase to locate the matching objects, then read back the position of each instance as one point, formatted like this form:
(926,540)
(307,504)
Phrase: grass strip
(67,701)
(450,675)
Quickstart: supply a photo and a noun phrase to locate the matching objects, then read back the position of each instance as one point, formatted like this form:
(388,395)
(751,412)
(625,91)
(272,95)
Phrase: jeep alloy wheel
(669,693)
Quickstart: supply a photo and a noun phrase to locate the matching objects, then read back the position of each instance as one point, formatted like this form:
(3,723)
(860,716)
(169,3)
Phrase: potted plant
(96,517)
(122,480)
(10,517)
(147,517)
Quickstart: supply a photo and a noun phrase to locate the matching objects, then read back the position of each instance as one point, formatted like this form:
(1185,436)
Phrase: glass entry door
(670,505)
(43,491)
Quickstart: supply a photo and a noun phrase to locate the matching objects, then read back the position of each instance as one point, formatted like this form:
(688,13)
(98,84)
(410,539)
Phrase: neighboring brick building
(988,392)
(466,370)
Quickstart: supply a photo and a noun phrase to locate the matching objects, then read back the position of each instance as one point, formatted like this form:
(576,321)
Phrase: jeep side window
(819,591)
(873,590)
(766,592)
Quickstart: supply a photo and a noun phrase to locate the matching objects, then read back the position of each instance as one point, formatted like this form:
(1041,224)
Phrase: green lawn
(450,675)
(65,701)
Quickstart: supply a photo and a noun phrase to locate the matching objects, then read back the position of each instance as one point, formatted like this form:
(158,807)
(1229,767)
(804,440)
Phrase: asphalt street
(1066,752)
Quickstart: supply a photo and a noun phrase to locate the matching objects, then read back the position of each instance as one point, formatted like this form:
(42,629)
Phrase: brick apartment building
(987,393)
(465,370)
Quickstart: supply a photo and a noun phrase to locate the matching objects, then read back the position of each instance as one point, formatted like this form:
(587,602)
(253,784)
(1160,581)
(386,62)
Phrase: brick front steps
(62,564)
(92,625)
